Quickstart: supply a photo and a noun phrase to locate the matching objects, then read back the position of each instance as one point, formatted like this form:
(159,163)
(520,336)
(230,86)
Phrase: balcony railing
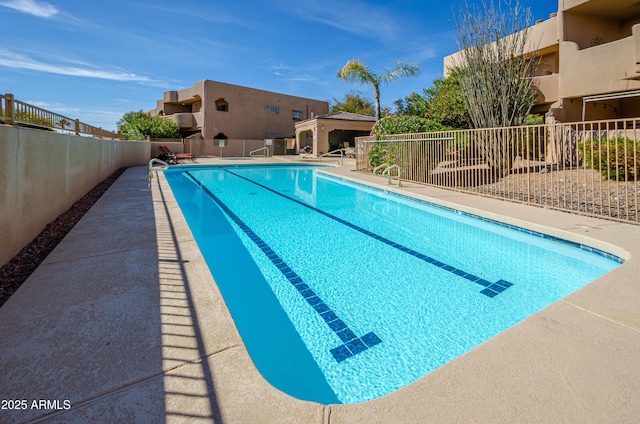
(588,168)
(15,112)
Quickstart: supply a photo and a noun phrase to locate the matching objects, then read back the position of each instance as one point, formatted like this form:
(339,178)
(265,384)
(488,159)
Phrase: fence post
(9,105)
(77,127)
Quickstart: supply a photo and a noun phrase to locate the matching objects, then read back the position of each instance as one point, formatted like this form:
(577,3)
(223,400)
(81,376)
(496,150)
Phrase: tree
(357,72)
(353,102)
(444,103)
(140,125)
(495,64)
(412,105)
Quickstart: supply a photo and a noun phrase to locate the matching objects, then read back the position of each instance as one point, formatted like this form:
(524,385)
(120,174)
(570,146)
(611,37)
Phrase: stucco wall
(42,174)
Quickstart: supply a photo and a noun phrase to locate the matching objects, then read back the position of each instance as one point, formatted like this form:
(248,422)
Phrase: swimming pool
(343,293)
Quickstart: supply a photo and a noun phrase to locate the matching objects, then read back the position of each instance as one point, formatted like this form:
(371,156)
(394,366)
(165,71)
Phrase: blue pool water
(343,293)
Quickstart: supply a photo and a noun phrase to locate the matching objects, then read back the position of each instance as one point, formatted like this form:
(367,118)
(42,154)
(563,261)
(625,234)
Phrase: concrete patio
(123,322)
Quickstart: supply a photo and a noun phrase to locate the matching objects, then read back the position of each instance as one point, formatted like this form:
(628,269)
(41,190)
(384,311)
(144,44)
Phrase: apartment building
(213,110)
(589,65)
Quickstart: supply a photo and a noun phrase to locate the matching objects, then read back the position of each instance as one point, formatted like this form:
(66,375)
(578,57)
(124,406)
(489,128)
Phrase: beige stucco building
(589,60)
(329,132)
(212,110)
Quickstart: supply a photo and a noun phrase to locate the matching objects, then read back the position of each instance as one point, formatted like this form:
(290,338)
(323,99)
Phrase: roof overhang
(609,96)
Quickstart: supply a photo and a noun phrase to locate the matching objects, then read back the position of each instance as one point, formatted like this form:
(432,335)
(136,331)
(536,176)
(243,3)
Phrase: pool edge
(435,396)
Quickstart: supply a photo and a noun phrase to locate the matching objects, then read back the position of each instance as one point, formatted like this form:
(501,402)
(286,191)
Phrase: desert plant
(495,63)
(616,159)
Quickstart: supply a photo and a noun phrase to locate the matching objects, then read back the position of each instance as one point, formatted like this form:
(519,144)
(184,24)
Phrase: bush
(140,125)
(382,153)
(617,159)
(396,124)
(402,124)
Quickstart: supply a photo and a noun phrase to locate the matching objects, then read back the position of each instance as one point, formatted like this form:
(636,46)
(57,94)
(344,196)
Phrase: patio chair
(175,157)
(170,158)
(349,152)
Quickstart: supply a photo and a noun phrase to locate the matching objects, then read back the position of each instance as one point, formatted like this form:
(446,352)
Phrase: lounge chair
(349,152)
(175,157)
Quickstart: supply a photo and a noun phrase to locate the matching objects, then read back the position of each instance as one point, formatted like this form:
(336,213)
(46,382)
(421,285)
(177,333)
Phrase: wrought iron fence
(588,168)
(15,112)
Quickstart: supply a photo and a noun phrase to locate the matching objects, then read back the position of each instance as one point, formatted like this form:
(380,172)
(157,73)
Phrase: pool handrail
(163,166)
(335,151)
(379,167)
(386,173)
(265,155)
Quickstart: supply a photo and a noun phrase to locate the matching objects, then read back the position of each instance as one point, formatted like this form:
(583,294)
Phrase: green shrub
(382,153)
(396,124)
(402,124)
(617,159)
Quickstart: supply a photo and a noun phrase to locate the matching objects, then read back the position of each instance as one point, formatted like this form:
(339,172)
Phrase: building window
(274,109)
(297,115)
(222,105)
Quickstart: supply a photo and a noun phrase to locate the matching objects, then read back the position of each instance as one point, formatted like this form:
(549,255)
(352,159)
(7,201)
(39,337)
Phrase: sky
(97,60)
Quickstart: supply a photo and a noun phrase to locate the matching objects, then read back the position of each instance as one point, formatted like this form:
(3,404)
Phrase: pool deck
(123,321)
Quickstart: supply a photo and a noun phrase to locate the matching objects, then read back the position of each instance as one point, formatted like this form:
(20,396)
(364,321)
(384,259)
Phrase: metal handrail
(15,112)
(384,166)
(385,173)
(163,166)
(335,151)
(265,155)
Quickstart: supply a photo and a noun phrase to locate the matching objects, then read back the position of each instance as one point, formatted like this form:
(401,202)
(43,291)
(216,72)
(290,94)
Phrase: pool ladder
(386,173)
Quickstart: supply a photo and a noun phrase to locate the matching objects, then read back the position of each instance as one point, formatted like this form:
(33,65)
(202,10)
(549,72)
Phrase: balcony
(547,88)
(604,68)
(187,120)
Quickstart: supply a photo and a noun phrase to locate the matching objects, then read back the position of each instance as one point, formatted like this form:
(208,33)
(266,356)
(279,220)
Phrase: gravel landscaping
(18,269)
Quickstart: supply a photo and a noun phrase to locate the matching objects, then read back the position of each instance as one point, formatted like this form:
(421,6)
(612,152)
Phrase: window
(297,115)
(274,109)
(222,105)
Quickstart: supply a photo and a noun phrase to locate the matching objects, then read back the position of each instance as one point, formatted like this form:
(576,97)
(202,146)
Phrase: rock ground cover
(20,267)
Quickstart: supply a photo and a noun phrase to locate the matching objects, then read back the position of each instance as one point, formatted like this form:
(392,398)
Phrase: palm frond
(401,70)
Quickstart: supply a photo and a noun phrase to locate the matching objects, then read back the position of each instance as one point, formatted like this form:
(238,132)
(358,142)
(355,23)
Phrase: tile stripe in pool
(352,344)
(490,289)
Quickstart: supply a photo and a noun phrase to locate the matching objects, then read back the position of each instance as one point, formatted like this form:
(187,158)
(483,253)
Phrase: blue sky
(96,60)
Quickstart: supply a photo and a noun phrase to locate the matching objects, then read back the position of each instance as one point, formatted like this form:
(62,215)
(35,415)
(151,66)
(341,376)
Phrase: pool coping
(574,361)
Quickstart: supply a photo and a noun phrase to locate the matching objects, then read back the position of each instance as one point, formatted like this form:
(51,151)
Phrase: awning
(610,96)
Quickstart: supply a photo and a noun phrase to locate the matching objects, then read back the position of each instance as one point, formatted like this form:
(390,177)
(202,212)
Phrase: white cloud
(356,17)
(101,118)
(19,61)
(32,7)
(278,67)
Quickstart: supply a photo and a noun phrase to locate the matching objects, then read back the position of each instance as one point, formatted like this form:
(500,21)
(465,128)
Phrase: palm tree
(356,71)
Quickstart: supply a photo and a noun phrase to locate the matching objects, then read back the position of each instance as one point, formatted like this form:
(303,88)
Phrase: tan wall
(248,116)
(587,30)
(579,76)
(542,38)
(233,148)
(43,174)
